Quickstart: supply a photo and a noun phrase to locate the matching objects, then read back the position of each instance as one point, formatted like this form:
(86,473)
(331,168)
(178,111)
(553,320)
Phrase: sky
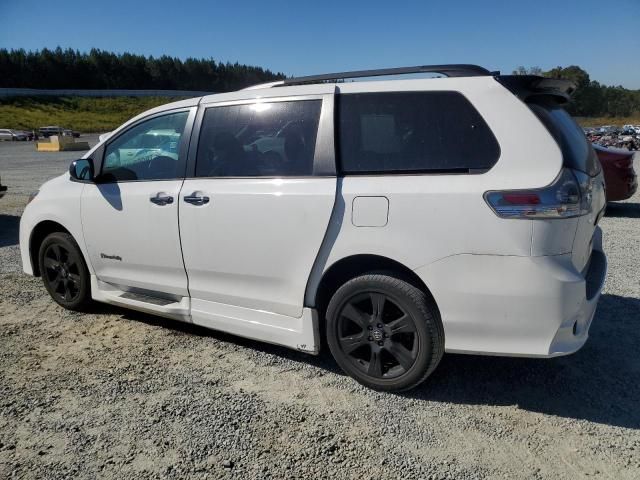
(304,37)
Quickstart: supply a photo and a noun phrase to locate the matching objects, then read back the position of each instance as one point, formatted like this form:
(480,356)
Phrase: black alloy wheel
(377,335)
(384,332)
(64,271)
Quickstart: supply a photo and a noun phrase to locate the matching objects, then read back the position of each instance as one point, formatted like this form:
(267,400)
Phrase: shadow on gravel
(9,225)
(623,210)
(323,361)
(599,383)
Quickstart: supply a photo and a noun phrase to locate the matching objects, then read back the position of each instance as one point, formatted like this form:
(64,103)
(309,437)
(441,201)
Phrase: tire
(64,272)
(384,332)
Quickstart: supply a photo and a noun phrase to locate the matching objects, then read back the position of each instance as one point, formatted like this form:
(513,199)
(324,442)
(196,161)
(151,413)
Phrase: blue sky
(300,37)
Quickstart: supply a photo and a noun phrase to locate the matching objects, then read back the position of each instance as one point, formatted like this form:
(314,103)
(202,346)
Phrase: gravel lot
(118,394)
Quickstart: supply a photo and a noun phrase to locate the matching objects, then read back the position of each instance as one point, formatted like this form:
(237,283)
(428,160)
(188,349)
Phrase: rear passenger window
(259,139)
(408,132)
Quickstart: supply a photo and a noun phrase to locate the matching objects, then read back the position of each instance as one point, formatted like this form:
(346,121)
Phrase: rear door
(254,211)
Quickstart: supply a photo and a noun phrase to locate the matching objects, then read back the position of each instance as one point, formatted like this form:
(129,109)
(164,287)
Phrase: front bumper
(516,306)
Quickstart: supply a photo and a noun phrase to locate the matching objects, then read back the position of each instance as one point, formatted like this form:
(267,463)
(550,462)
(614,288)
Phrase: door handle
(161,199)
(195,199)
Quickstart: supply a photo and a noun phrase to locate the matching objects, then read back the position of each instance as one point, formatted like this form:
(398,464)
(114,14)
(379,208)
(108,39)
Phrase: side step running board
(146,298)
(178,309)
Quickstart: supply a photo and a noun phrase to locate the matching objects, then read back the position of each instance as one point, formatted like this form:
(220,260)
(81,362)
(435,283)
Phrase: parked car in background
(312,207)
(5,134)
(20,135)
(11,135)
(28,134)
(70,133)
(46,132)
(619,175)
(56,130)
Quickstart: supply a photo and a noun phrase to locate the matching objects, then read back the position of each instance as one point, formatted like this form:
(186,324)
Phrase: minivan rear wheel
(384,332)
(64,272)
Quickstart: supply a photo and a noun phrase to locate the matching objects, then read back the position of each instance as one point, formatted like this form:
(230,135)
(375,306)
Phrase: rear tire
(384,332)
(64,271)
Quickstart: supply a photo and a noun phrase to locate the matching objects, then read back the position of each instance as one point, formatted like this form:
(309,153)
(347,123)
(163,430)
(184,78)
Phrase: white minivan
(397,219)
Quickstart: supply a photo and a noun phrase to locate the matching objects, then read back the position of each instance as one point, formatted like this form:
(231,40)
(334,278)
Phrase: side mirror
(82,170)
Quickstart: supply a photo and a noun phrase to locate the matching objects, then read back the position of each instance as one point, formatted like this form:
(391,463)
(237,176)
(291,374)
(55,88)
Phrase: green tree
(99,69)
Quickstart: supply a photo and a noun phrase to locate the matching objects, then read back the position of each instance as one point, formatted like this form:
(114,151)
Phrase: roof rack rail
(453,70)
(258,86)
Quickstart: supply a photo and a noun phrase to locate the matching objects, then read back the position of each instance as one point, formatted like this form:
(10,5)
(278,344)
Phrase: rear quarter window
(413,132)
(577,152)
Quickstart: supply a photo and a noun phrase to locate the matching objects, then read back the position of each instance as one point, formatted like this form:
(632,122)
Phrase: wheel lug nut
(379,325)
(370,327)
(386,336)
(380,343)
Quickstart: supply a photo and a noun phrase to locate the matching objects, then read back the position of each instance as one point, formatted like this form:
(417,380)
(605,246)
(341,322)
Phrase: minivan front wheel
(384,332)
(64,271)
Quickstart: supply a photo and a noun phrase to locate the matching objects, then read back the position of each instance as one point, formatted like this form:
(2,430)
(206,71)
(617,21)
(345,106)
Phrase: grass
(78,113)
(104,114)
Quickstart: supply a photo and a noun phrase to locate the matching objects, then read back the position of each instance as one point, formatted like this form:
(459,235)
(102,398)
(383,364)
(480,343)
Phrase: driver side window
(148,151)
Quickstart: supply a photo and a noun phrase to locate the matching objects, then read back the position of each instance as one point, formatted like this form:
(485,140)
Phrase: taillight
(570,195)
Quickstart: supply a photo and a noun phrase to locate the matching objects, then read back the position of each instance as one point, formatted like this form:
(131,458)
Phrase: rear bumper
(516,306)
(573,334)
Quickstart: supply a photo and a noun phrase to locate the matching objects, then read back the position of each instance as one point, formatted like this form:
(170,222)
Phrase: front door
(130,215)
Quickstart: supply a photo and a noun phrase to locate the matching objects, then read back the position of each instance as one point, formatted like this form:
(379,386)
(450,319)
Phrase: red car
(619,176)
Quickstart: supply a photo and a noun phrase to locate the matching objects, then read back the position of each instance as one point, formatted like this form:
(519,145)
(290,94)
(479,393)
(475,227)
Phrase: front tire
(384,332)
(64,271)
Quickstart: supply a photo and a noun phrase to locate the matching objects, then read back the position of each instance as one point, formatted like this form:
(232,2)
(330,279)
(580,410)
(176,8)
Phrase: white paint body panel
(298,333)
(512,305)
(370,211)
(254,244)
(119,220)
(58,201)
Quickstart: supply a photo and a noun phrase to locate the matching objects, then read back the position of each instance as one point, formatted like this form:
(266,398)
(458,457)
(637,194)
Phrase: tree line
(99,69)
(591,99)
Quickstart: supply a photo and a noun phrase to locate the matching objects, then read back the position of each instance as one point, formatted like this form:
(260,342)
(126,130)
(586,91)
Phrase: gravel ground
(117,394)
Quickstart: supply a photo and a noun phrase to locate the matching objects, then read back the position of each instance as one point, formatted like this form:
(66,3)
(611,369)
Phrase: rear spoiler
(527,86)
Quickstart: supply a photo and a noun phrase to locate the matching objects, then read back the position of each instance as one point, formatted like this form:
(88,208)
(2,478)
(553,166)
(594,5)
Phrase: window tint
(413,132)
(148,151)
(576,149)
(260,139)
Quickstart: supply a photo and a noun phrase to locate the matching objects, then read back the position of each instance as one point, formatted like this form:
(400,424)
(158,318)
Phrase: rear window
(407,132)
(576,149)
